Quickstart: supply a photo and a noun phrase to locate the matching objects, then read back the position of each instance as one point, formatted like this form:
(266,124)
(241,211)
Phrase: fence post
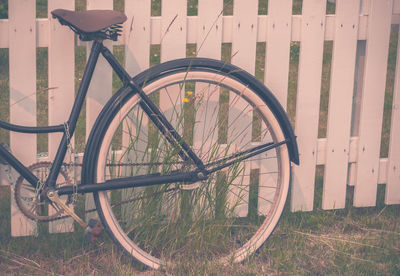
(22,45)
(61,87)
(392,195)
(173,46)
(244,41)
(307,105)
(372,103)
(209,30)
(278,48)
(99,91)
(340,103)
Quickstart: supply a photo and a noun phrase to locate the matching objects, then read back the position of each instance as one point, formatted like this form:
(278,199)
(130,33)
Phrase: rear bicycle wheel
(225,218)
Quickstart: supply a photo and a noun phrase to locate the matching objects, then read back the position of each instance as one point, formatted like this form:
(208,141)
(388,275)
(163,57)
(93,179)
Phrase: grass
(353,241)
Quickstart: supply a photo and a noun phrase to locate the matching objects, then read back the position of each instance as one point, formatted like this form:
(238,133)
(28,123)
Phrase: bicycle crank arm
(92,229)
(53,196)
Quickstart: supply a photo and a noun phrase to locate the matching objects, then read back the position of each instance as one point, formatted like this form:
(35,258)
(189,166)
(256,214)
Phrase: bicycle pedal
(92,230)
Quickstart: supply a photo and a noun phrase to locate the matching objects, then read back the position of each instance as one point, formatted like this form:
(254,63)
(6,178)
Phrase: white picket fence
(348,160)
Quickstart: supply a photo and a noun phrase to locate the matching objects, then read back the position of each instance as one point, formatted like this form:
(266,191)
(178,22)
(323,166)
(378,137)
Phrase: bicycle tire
(226,218)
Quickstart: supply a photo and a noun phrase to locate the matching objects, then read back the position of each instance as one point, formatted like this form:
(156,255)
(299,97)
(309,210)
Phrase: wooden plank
(240,119)
(137,58)
(383,171)
(372,102)
(353,153)
(278,48)
(205,133)
(42,25)
(244,35)
(100,89)
(42,28)
(22,56)
(268,178)
(137,36)
(155,30)
(206,96)
(227,22)
(382,174)
(173,46)
(61,98)
(134,150)
(297,27)
(209,43)
(340,104)
(244,38)
(173,29)
(42,32)
(209,29)
(358,86)
(322,150)
(307,105)
(191,26)
(262,28)
(101,85)
(392,195)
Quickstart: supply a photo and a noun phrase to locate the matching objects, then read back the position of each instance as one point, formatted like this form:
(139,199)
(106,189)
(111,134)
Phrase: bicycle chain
(70,166)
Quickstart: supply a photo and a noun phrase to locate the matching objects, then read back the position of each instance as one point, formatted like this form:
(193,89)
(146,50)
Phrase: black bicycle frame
(68,129)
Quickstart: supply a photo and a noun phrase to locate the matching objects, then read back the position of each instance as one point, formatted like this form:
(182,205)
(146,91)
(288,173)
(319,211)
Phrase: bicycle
(190,158)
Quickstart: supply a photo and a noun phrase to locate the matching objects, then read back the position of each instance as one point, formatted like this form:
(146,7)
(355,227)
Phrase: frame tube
(76,109)
(28,129)
(132,182)
(116,66)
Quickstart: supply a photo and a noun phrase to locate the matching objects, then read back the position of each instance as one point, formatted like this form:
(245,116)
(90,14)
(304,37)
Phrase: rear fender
(158,71)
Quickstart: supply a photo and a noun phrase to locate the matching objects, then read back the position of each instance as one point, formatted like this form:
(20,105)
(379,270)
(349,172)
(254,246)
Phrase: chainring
(30,201)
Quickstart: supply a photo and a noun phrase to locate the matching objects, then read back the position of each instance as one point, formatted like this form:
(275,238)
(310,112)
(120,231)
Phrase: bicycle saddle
(92,24)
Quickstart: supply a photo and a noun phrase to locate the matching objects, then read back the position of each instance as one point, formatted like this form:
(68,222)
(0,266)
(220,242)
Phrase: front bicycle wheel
(225,218)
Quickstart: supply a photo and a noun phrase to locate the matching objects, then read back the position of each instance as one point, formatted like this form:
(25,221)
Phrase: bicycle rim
(225,218)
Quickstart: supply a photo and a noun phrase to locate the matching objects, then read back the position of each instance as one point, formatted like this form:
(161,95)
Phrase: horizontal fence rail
(359,33)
